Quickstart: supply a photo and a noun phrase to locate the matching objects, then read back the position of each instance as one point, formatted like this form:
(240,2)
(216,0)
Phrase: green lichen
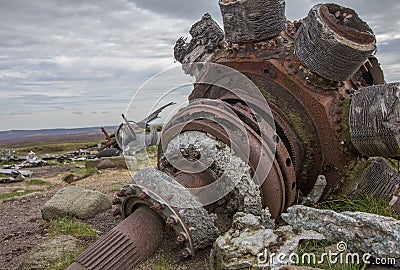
(353,172)
(298,126)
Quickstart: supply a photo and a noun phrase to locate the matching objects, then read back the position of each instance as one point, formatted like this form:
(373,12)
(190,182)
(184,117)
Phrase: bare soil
(22,226)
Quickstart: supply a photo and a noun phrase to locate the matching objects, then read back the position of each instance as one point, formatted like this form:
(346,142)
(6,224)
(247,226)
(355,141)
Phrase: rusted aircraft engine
(330,108)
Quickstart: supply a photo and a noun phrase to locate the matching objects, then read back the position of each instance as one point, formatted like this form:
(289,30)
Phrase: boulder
(251,241)
(106,163)
(82,204)
(360,232)
(52,251)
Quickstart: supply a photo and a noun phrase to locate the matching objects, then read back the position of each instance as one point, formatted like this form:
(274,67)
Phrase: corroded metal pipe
(133,241)
(252,21)
(334,42)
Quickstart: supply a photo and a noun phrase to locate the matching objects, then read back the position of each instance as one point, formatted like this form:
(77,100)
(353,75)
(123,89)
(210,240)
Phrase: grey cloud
(78,113)
(93,55)
(191,9)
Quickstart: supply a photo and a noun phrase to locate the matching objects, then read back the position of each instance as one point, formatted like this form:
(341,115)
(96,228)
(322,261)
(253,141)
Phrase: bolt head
(186,253)
(158,206)
(121,193)
(130,191)
(116,212)
(171,221)
(143,195)
(116,201)
(181,237)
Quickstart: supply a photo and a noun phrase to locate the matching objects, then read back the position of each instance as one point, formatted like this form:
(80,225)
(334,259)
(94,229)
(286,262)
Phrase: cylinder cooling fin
(375,120)
(252,21)
(334,42)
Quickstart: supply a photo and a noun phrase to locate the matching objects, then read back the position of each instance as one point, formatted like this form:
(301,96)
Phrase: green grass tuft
(86,172)
(318,248)
(366,204)
(163,264)
(395,164)
(70,226)
(38,182)
(16,193)
(66,260)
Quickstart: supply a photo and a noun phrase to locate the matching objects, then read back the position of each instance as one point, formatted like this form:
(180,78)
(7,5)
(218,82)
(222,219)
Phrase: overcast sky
(78,62)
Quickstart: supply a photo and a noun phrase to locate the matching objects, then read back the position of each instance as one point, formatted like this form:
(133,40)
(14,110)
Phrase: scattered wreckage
(329,109)
(13,165)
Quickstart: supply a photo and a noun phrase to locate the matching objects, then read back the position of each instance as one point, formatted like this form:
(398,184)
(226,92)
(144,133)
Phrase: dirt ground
(22,227)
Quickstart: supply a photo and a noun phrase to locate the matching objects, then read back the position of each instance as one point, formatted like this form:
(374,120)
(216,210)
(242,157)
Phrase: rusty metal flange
(134,195)
(174,203)
(277,184)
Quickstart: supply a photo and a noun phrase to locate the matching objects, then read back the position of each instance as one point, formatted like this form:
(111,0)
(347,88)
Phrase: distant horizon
(80,63)
(61,128)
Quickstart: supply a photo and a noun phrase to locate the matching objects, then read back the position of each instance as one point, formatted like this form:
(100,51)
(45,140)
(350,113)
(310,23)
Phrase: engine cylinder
(375,120)
(252,21)
(334,42)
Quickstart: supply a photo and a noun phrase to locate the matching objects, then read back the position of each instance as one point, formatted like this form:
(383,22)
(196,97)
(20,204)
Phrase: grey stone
(362,232)
(316,193)
(248,241)
(83,204)
(52,251)
(106,163)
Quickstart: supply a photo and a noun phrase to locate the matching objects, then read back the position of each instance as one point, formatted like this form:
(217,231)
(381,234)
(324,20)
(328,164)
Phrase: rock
(71,177)
(83,204)
(362,232)
(106,163)
(52,251)
(248,243)
(316,193)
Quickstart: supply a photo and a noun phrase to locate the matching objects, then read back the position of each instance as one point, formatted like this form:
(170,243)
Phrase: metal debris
(206,38)
(133,137)
(16,176)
